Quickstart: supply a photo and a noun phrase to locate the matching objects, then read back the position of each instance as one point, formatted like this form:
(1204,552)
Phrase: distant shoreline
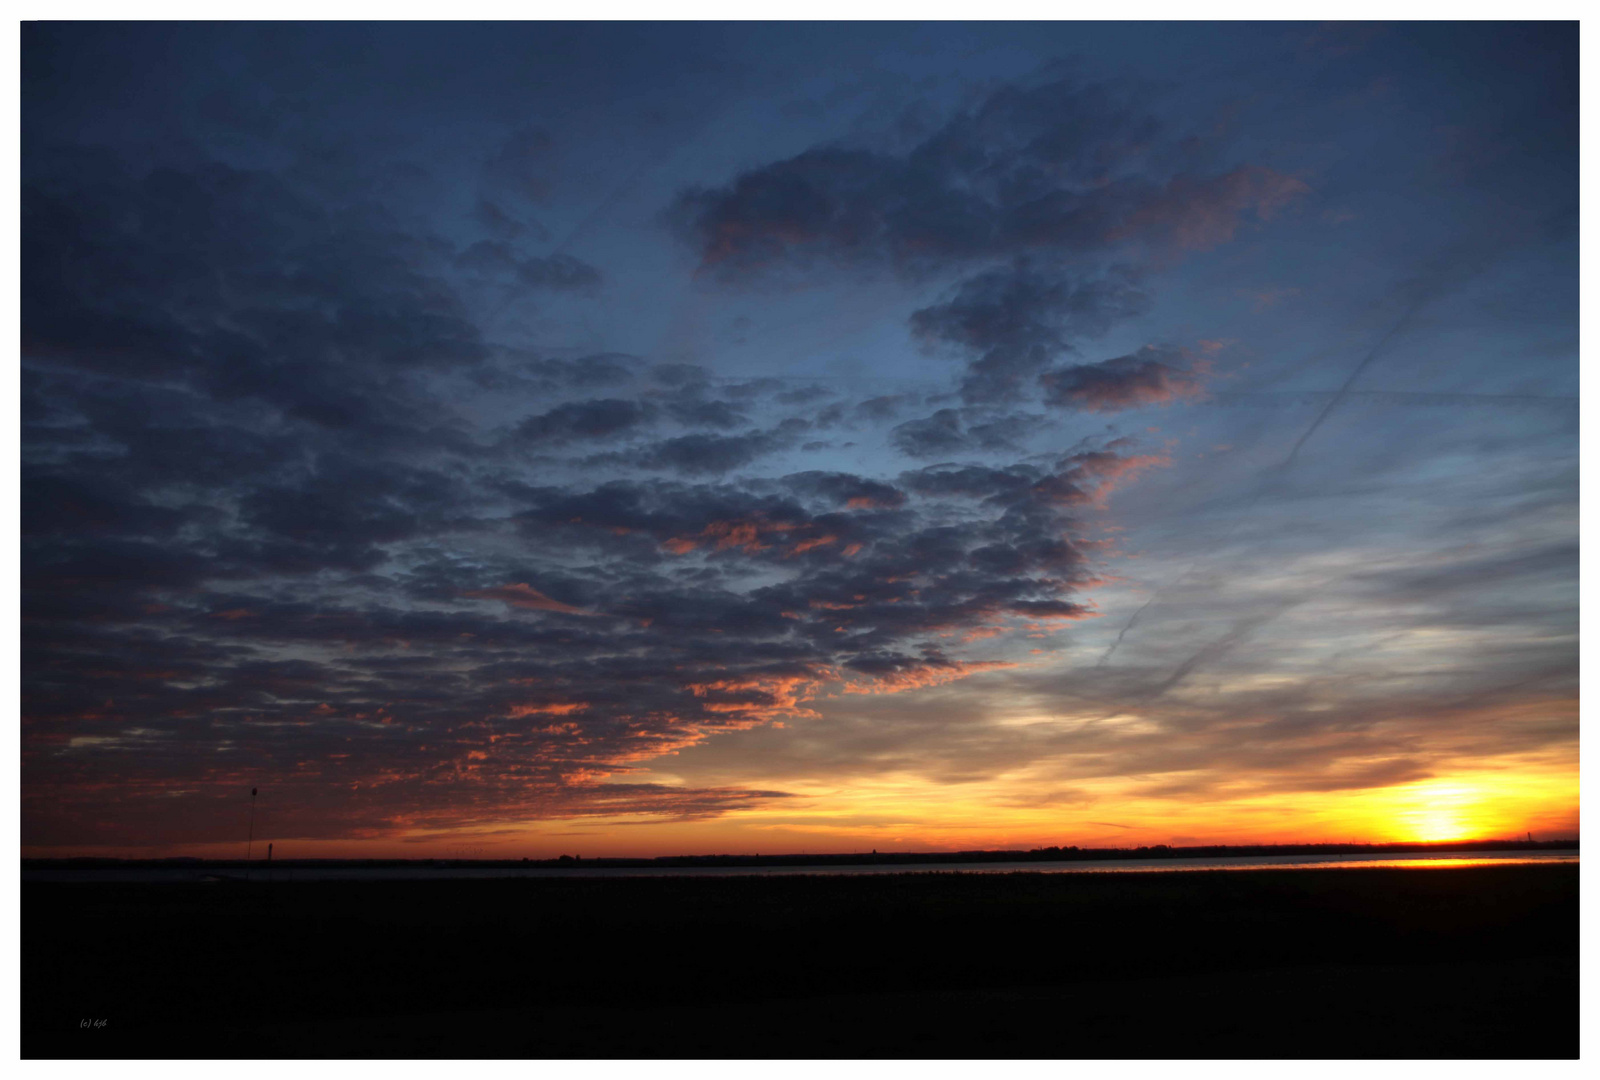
(873,858)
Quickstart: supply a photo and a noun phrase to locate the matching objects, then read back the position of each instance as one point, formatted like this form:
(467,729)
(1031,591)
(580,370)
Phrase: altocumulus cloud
(289,511)
(1044,199)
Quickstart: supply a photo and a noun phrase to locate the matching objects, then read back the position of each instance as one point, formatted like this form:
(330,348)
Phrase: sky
(511,440)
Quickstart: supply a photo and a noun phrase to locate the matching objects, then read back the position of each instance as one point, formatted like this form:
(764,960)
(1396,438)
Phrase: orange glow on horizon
(908,813)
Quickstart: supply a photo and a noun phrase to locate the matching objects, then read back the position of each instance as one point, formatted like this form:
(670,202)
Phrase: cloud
(893,675)
(1007,175)
(693,412)
(256,592)
(268,484)
(846,489)
(701,454)
(1067,186)
(1199,213)
(521,595)
(939,435)
(1062,166)
(1017,320)
(881,408)
(1151,376)
(495,219)
(972,481)
(341,310)
(598,419)
(962,431)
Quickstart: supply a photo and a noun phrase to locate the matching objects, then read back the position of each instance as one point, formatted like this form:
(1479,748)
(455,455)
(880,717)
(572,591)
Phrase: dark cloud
(1017,320)
(496,220)
(693,406)
(598,419)
(1053,179)
(846,489)
(681,375)
(700,454)
(554,375)
(952,196)
(686,609)
(971,481)
(939,435)
(881,408)
(1059,167)
(1155,375)
(950,432)
(232,283)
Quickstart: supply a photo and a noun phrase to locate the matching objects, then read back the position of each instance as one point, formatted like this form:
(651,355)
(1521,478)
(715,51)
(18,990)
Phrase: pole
(250,842)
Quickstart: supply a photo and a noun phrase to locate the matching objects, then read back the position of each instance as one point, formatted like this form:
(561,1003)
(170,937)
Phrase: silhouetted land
(1469,962)
(859,858)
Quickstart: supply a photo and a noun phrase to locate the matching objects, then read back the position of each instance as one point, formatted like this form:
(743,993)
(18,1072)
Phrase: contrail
(1291,398)
(1242,629)
(1451,267)
(1269,475)
(1344,390)
(1130,624)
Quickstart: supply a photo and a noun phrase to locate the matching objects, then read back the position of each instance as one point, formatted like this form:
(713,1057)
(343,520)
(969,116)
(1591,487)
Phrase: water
(1431,860)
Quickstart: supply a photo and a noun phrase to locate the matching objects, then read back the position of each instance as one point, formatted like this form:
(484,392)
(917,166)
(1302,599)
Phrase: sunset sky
(634,439)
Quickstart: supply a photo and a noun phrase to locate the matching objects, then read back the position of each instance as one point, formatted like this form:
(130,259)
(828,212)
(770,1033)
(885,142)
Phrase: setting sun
(1440,812)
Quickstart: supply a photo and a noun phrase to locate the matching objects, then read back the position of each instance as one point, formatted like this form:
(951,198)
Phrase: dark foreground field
(1474,962)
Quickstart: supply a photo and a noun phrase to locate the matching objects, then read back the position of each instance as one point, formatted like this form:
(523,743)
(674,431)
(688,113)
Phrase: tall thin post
(250,842)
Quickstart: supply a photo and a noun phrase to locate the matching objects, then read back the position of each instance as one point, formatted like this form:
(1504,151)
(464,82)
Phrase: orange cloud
(1109,471)
(758,697)
(901,681)
(560,708)
(806,545)
(745,535)
(1200,214)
